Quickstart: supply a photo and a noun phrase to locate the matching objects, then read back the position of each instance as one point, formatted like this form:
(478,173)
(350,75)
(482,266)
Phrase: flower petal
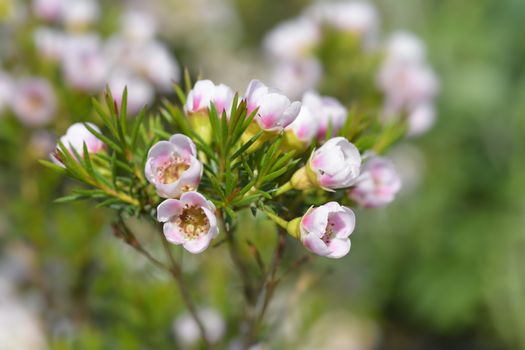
(168,209)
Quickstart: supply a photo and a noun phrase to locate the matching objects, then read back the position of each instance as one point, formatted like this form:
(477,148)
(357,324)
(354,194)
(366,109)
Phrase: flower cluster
(404,78)
(65,39)
(408,82)
(176,167)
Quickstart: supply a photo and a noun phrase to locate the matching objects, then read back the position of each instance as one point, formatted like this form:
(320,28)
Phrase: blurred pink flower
(155,63)
(34,102)
(172,166)
(324,230)
(378,183)
(140,92)
(421,118)
(84,63)
(189,221)
(138,27)
(75,137)
(50,43)
(296,77)
(77,14)
(6,91)
(291,40)
(49,10)
(336,164)
(305,126)
(358,17)
(276,111)
(327,110)
(205,92)
(405,47)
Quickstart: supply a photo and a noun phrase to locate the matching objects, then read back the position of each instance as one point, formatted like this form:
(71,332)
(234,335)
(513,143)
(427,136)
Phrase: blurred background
(440,268)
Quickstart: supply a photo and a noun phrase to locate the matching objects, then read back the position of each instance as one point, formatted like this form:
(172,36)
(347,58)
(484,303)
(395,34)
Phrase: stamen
(193,222)
(172,170)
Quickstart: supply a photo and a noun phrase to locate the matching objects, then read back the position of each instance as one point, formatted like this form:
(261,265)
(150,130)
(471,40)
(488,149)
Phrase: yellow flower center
(172,170)
(193,222)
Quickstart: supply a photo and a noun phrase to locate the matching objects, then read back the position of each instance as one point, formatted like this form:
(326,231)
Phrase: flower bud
(172,166)
(189,221)
(378,183)
(198,102)
(76,136)
(275,110)
(324,230)
(336,164)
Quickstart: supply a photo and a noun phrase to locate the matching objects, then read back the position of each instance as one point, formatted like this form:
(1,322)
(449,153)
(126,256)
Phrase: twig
(121,230)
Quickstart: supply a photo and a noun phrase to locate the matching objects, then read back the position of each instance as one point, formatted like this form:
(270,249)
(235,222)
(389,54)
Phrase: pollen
(193,222)
(172,170)
(329,233)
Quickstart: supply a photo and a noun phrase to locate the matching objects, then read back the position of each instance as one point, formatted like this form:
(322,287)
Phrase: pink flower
(172,166)
(156,63)
(324,230)
(34,102)
(75,137)
(49,10)
(189,221)
(77,14)
(50,43)
(405,47)
(138,27)
(205,92)
(421,118)
(296,77)
(6,91)
(336,164)
(406,85)
(378,183)
(357,17)
(275,112)
(304,128)
(84,64)
(327,110)
(140,92)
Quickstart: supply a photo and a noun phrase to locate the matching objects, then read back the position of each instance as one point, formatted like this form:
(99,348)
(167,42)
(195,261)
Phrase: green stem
(275,218)
(283,189)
